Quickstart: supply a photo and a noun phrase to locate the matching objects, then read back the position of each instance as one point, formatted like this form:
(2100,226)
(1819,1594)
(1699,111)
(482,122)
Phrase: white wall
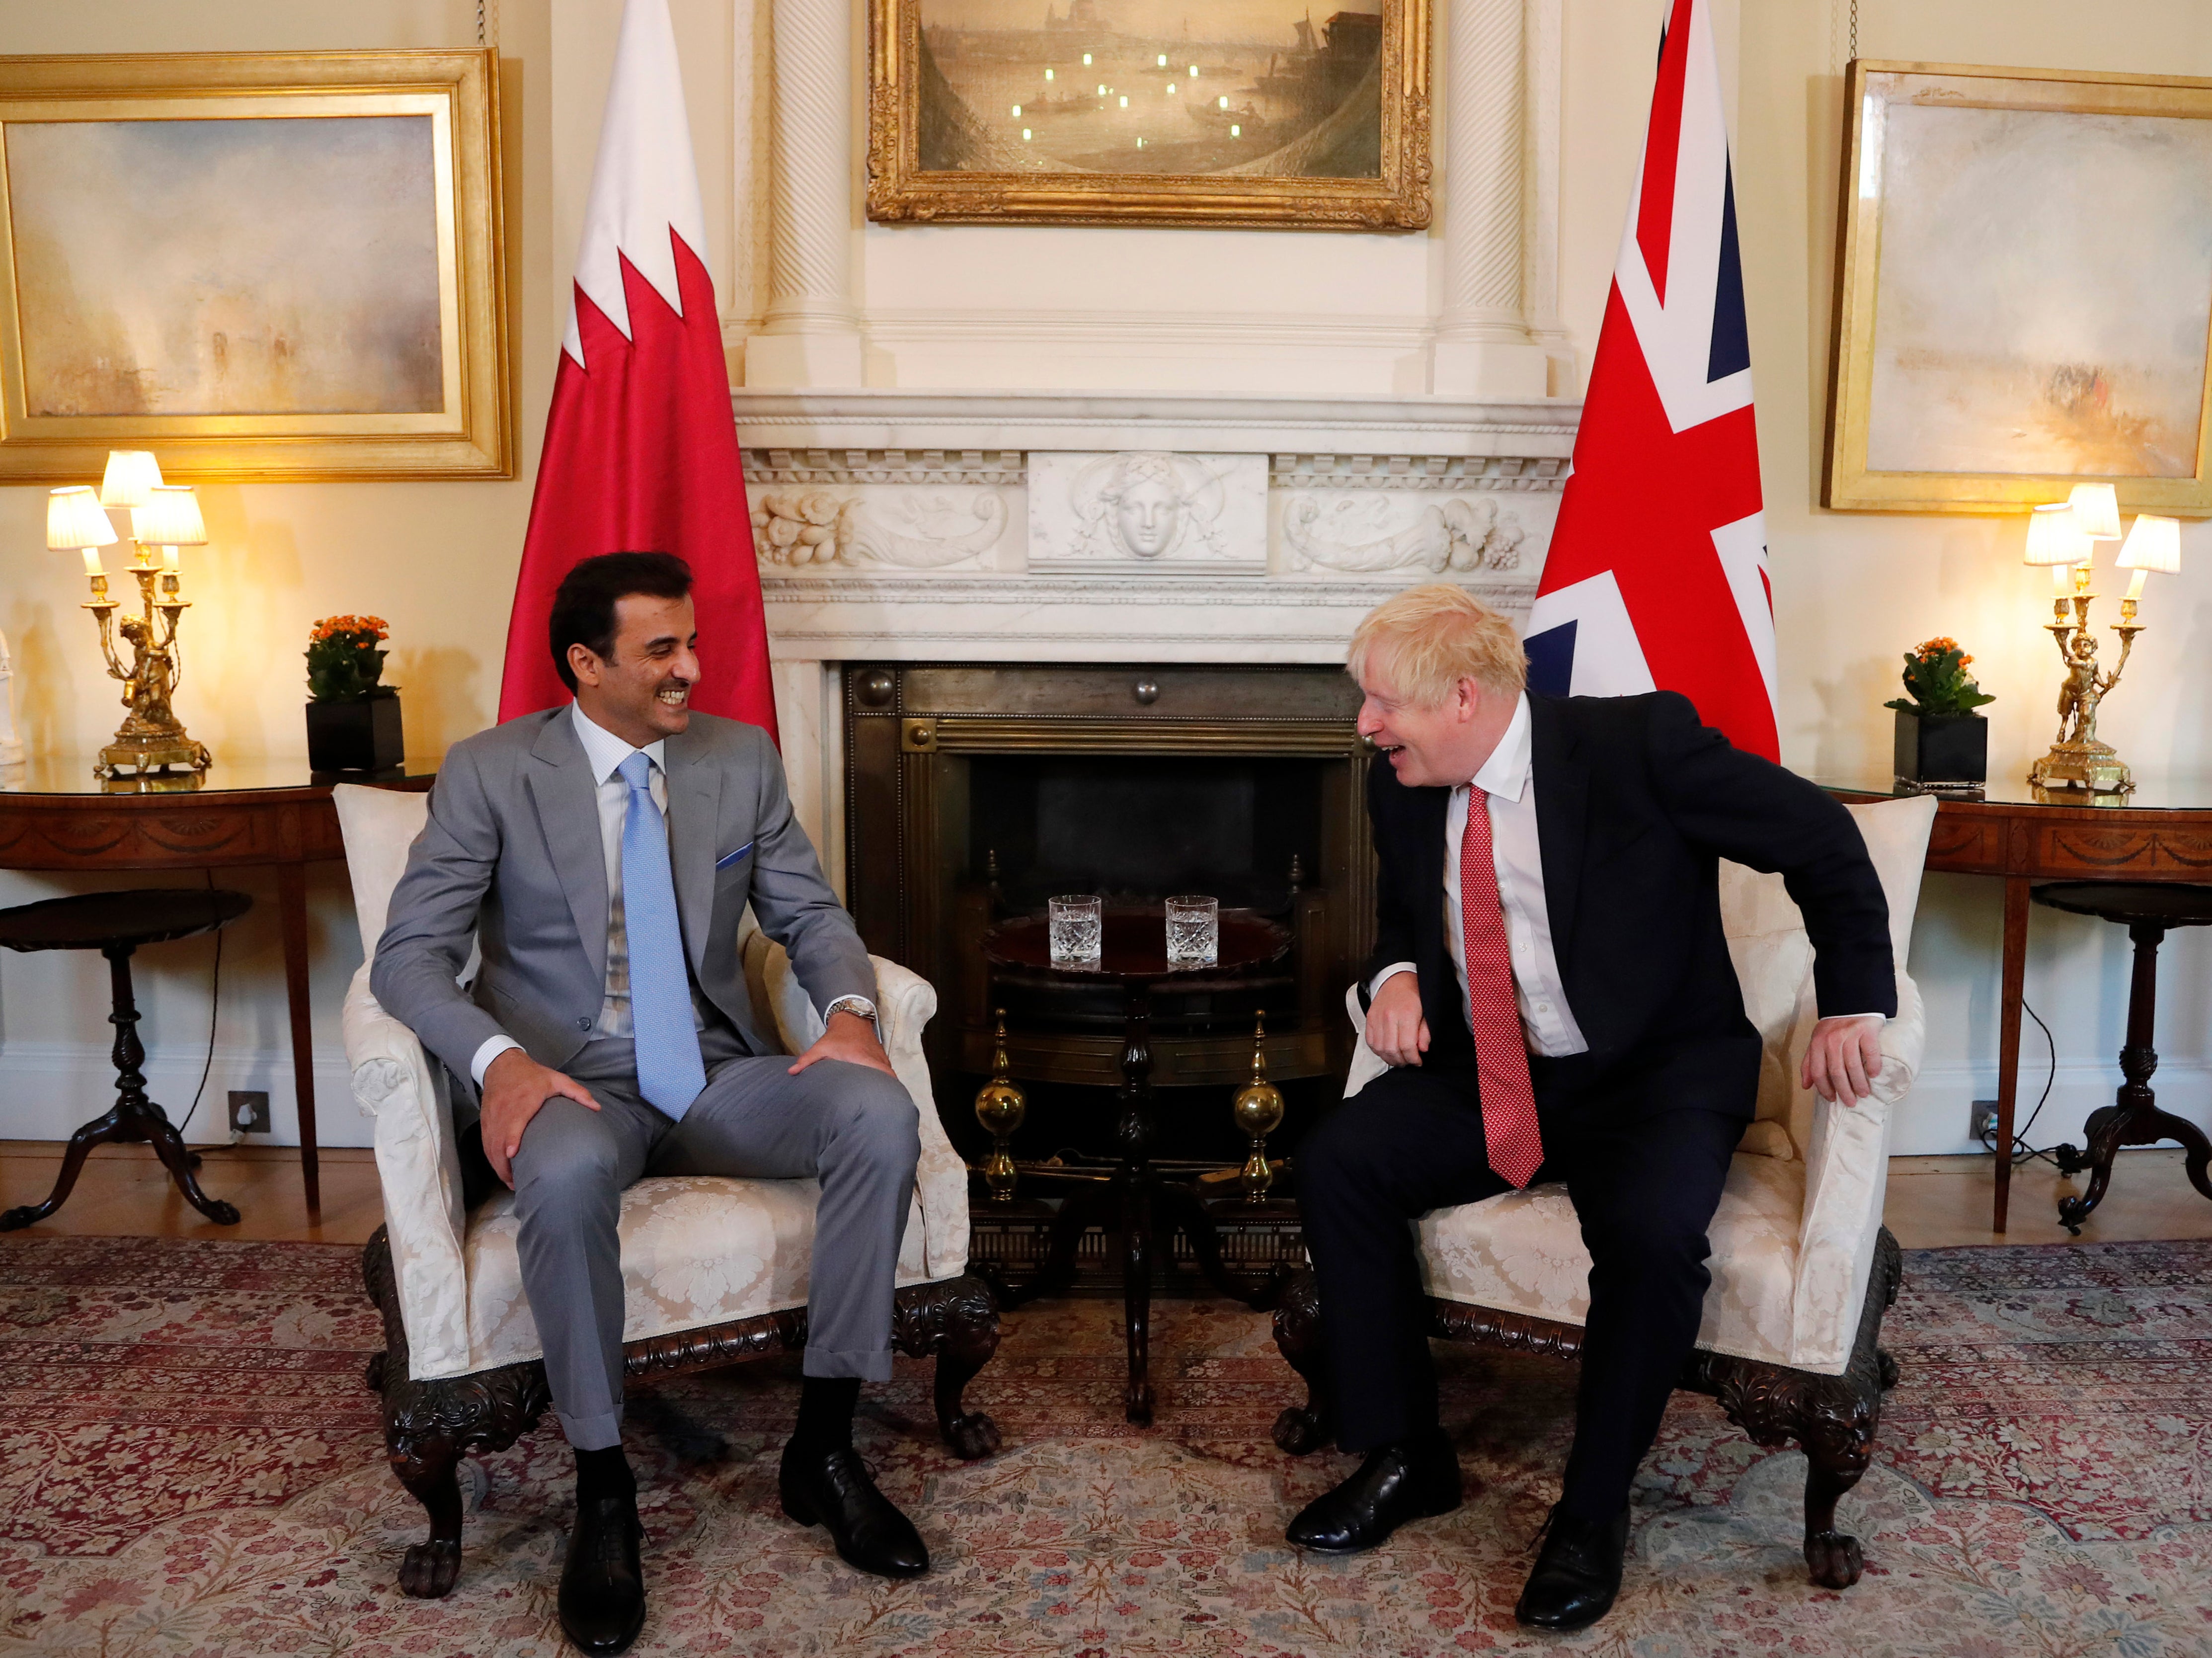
(1218,309)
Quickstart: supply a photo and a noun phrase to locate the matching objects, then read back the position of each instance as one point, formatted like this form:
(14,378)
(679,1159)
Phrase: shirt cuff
(1884,1017)
(859,1004)
(493,1047)
(1389,973)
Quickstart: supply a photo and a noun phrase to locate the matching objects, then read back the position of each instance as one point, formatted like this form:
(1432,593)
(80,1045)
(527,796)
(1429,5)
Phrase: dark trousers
(1643,1148)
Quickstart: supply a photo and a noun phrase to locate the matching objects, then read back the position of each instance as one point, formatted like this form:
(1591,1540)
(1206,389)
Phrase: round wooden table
(1133,957)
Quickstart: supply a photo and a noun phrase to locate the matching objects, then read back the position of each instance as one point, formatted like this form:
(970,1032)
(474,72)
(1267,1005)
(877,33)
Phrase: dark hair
(584,603)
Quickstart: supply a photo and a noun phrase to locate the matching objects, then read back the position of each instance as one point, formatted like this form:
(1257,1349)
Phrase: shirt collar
(1505,773)
(605,751)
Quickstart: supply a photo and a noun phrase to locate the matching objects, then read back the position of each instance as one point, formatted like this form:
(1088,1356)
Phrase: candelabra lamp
(163,518)
(1258,1109)
(999,1107)
(2063,537)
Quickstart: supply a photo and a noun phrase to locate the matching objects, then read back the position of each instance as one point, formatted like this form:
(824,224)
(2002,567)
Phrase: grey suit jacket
(511,856)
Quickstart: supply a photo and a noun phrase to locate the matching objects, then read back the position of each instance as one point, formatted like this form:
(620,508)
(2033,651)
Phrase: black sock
(603,1474)
(826,1404)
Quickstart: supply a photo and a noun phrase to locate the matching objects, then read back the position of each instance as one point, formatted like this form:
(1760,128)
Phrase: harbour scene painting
(1253,88)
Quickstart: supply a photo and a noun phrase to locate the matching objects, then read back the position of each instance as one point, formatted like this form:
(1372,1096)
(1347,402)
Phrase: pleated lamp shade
(2154,543)
(2096,511)
(131,475)
(2053,537)
(170,518)
(75,520)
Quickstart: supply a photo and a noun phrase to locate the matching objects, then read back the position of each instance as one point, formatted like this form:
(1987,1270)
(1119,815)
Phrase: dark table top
(1134,948)
(71,774)
(2150,794)
(2159,904)
(95,921)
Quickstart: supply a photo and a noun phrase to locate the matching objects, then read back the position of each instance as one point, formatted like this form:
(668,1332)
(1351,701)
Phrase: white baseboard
(52,1088)
(1934,1119)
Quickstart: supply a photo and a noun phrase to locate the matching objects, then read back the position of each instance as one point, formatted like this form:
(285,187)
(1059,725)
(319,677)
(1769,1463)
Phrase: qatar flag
(1656,576)
(640,446)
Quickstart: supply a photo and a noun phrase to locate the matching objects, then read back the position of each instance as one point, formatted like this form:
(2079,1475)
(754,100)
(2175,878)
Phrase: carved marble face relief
(1146,516)
(1146,505)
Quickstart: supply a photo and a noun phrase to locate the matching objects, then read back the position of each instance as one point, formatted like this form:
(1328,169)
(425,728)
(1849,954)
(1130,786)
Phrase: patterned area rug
(191,1467)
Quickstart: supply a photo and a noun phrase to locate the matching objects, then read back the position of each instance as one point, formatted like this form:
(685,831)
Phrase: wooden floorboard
(124,1192)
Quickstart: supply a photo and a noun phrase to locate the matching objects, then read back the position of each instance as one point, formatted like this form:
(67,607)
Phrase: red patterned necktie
(1501,1048)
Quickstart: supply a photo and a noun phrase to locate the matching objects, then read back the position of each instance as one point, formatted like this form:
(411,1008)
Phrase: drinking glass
(1076,930)
(1194,931)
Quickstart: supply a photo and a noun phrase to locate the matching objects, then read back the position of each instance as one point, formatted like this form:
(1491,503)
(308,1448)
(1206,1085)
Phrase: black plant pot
(1942,748)
(362,736)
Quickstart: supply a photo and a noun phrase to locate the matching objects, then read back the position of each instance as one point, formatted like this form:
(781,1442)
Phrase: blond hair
(1429,639)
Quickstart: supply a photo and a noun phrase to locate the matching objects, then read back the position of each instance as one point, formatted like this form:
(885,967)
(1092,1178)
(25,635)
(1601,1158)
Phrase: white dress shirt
(605,752)
(1507,780)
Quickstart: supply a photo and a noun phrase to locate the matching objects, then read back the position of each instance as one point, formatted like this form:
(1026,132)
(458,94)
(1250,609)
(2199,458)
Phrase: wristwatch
(857,1004)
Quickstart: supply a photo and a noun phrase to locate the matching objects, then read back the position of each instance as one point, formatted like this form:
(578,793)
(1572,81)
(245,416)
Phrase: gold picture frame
(1349,98)
(317,289)
(2023,290)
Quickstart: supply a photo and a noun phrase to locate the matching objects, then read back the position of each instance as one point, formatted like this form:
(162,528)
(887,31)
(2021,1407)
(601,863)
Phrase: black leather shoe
(1399,1483)
(602,1584)
(1577,1572)
(832,1488)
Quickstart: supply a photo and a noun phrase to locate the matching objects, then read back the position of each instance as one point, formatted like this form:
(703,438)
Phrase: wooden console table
(2161,832)
(57,816)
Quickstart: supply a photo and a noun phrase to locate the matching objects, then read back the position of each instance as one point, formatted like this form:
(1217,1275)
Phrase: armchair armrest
(1846,1174)
(418,1166)
(905,1003)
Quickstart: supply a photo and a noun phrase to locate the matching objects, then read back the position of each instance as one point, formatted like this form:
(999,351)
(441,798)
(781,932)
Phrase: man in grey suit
(602,855)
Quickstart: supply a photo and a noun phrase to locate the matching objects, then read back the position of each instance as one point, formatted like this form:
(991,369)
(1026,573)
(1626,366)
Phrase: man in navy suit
(1553,993)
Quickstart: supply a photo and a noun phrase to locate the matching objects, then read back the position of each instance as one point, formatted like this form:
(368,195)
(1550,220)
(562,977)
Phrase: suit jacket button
(583,1024)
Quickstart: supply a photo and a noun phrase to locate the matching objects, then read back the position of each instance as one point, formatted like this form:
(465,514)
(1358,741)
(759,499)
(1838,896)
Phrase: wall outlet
(249,1111)
(1983,1120)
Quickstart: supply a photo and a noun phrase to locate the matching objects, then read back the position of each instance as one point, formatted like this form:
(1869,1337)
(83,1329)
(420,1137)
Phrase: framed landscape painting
(2024,292)
(1149,112)
(262,265)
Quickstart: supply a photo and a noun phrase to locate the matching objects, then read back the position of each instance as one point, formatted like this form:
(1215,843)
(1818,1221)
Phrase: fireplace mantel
(952,526)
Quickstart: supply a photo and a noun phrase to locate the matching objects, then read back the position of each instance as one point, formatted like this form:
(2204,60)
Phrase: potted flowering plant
(1940,738)
(353,718)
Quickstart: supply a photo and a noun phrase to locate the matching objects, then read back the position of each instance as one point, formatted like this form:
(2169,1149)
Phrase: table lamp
(2063,536)
(151,739)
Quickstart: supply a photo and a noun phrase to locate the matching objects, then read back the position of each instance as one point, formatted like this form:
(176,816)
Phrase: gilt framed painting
(2023,291)
(283,266)
(1254,113)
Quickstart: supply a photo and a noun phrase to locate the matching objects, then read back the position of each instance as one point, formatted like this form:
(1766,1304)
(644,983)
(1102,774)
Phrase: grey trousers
(853,1128)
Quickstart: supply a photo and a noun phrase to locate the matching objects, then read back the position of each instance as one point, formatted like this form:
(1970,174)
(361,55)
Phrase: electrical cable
(214,1008)
(2023,1152)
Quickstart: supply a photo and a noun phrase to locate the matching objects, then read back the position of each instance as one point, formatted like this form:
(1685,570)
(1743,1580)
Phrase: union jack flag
(1656,577)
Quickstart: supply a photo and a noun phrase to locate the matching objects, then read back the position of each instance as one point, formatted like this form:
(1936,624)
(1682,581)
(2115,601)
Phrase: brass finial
(1258,1110)
(999,1107)
(1297,873)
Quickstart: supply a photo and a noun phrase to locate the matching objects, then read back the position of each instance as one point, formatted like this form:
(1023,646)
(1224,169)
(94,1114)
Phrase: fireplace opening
(1136,829)
(976,792)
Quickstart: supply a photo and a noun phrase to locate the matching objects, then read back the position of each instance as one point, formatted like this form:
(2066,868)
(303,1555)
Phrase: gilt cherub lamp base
(2091,765)
(151,752)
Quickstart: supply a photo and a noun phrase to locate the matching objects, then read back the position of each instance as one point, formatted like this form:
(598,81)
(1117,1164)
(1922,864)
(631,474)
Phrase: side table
(1133,957)
(2160,831)
(55,815)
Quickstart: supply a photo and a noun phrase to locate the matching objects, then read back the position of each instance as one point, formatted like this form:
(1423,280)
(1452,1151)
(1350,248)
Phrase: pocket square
(728,858)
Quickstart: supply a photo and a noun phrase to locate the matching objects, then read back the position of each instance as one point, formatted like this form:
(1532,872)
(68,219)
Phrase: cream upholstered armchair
(714,1271)
(1801,1264)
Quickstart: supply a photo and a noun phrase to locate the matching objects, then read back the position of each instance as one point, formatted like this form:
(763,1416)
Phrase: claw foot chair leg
(957,1320)
(427,1425)
(1832,1466)
(1302,1428)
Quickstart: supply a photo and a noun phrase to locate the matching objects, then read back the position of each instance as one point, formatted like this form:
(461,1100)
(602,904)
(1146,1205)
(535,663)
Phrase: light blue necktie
(668,1072)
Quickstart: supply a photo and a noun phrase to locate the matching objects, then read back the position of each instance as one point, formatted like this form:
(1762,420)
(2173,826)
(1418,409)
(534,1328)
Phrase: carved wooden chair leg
(1297,1337)
(957,1321)
(428,1468)
(1834,1463)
